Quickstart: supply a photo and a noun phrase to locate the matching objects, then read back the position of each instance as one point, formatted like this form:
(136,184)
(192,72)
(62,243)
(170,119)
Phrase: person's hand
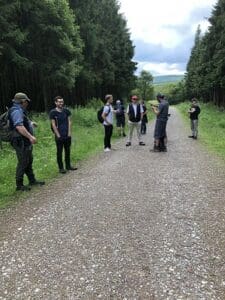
(33,139)
(34,124)
(58,138)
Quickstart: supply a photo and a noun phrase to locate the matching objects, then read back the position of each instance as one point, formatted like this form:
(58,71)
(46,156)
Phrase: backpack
(99,114)
(5,128)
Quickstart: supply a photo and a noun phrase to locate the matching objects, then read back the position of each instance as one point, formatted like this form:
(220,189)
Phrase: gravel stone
(129,224)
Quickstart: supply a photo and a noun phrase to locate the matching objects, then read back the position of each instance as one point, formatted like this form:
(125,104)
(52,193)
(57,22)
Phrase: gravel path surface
(129,224)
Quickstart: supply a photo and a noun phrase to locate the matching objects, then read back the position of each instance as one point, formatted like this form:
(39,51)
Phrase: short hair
(57,98)
(107,97)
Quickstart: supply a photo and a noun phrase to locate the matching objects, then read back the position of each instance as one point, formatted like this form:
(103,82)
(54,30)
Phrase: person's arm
(55,129)
(23,131)
(155,110)
(142,112)
(191,110)
(127,112)
(69,126)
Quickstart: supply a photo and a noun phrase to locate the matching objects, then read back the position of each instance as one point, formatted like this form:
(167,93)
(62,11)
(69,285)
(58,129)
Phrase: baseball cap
(19,97)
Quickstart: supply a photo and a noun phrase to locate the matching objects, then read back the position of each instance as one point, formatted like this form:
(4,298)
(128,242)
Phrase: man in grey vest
(135,114)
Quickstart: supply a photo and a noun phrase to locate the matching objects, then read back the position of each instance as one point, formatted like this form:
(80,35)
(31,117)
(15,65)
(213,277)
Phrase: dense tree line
(205,77)
(79,48)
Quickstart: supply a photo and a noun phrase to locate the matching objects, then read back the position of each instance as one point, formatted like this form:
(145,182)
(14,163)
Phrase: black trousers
(143,127)
(24,160)
(108,135)
(63,143)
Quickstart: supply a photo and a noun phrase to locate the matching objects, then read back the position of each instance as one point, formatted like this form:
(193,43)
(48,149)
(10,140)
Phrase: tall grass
(211,126)
(87,139)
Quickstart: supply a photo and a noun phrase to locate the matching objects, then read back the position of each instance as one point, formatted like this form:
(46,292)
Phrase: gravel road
(130,224)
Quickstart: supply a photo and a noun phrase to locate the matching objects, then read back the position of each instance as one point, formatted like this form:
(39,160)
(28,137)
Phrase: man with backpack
(61,126)
(135,114)
(22,141)
(107,116)
(194,111)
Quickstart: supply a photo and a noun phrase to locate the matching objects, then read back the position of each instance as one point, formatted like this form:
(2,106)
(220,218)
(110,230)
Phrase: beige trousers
(131,127)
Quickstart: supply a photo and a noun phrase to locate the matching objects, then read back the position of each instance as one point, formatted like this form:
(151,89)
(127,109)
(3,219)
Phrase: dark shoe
(141,143)
(62,171)
(124,134)
(155,149)
(37,182)
(163,149)
(191,136)
(128,144)
(71,168)
(23,188)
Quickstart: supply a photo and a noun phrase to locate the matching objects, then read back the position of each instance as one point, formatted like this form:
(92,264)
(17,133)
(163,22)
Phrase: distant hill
(167,79)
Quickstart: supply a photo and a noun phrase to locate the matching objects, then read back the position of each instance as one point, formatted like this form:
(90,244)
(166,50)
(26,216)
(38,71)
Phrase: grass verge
(211,126)
(87,140)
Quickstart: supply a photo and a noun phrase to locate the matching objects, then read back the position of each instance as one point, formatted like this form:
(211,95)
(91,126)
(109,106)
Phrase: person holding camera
(161,112)
(194,111)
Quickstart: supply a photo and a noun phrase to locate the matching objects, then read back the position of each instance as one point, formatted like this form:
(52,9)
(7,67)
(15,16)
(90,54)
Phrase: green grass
(211,127)
(87,140)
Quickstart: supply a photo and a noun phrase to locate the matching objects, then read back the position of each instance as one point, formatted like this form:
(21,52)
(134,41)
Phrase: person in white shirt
(107,115)
(135,114)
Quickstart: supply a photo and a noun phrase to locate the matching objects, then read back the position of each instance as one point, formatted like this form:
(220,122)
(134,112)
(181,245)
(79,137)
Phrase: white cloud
(168,24)
(161,68)
(148,20)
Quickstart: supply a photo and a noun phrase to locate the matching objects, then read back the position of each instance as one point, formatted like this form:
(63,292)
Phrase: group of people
(23,130)
(137,119)
(23,138)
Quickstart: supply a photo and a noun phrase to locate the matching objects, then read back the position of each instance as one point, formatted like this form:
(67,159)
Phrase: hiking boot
(62,171)
(141,143)
(128,144)
(37,182)
(23,188)
(191,136)
(155,149)
(71,168)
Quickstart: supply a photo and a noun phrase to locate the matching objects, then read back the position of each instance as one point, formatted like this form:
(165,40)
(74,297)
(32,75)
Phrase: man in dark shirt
(194,111)
(61,126)
(120,118)
(22,141)
(160,135)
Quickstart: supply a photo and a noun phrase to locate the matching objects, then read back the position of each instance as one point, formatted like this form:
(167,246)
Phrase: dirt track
(130,224)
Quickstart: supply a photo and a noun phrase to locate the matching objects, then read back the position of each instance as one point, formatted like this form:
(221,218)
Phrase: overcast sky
(163,31)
